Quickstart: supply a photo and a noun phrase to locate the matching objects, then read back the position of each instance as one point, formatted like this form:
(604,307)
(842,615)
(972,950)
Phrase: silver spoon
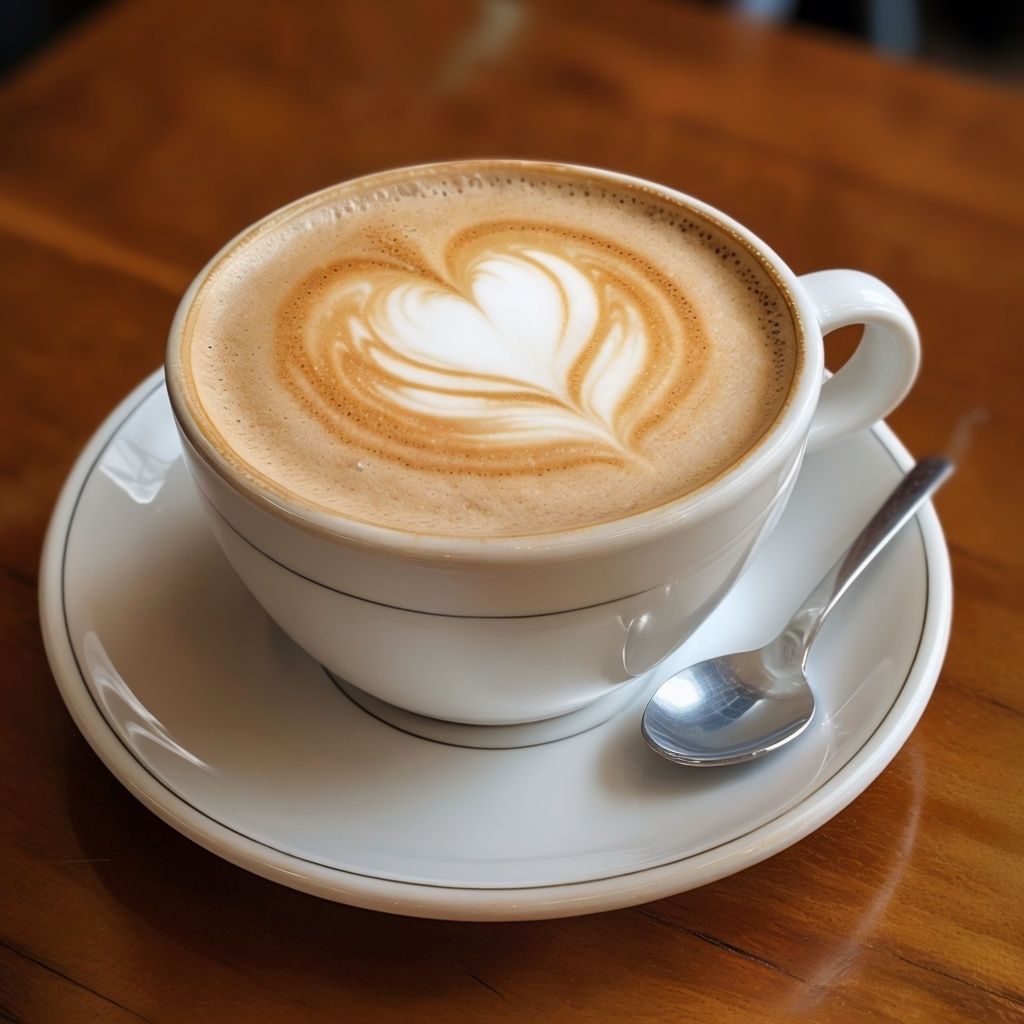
(740,706)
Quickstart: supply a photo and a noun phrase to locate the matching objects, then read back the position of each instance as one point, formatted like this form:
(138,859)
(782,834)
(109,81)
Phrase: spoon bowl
(738,707)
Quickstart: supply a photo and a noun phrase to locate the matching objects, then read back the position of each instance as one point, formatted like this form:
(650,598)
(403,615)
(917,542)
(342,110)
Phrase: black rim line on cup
(414,611)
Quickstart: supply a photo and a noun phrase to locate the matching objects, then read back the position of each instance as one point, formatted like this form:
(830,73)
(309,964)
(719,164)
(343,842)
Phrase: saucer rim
(622,889)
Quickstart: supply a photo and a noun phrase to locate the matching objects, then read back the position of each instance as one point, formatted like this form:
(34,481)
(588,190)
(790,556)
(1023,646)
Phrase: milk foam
(487,351)
(521,344)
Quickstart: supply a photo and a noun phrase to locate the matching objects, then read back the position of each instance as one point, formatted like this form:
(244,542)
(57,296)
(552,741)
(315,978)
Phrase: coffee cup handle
(876,378)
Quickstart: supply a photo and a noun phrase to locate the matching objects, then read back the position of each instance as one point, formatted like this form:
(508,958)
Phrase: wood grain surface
(132,149)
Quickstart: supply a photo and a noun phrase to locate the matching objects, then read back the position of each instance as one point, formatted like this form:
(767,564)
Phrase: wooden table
(134,148)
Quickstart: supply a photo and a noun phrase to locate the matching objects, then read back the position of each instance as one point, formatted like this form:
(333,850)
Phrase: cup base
(494,737)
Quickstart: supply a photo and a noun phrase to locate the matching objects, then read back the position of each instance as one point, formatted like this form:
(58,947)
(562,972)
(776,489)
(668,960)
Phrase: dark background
(984,37)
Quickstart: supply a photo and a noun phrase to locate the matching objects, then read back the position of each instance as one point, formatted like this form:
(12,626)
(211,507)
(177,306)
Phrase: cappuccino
(487,349)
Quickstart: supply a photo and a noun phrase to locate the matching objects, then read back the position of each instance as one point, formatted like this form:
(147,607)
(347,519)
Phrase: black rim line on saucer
(111,430)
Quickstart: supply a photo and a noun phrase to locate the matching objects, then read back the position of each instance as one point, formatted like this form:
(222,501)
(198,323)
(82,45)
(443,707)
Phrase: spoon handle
(910,494)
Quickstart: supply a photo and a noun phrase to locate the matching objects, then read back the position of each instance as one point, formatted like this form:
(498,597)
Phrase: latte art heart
(523,349)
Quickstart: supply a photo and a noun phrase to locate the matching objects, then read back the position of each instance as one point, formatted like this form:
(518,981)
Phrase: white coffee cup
(501,630)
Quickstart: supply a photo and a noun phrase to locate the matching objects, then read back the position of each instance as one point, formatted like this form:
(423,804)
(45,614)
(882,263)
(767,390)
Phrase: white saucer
(239,740)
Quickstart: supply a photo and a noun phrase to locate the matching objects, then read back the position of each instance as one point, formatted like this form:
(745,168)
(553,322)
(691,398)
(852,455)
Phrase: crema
(488,349)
